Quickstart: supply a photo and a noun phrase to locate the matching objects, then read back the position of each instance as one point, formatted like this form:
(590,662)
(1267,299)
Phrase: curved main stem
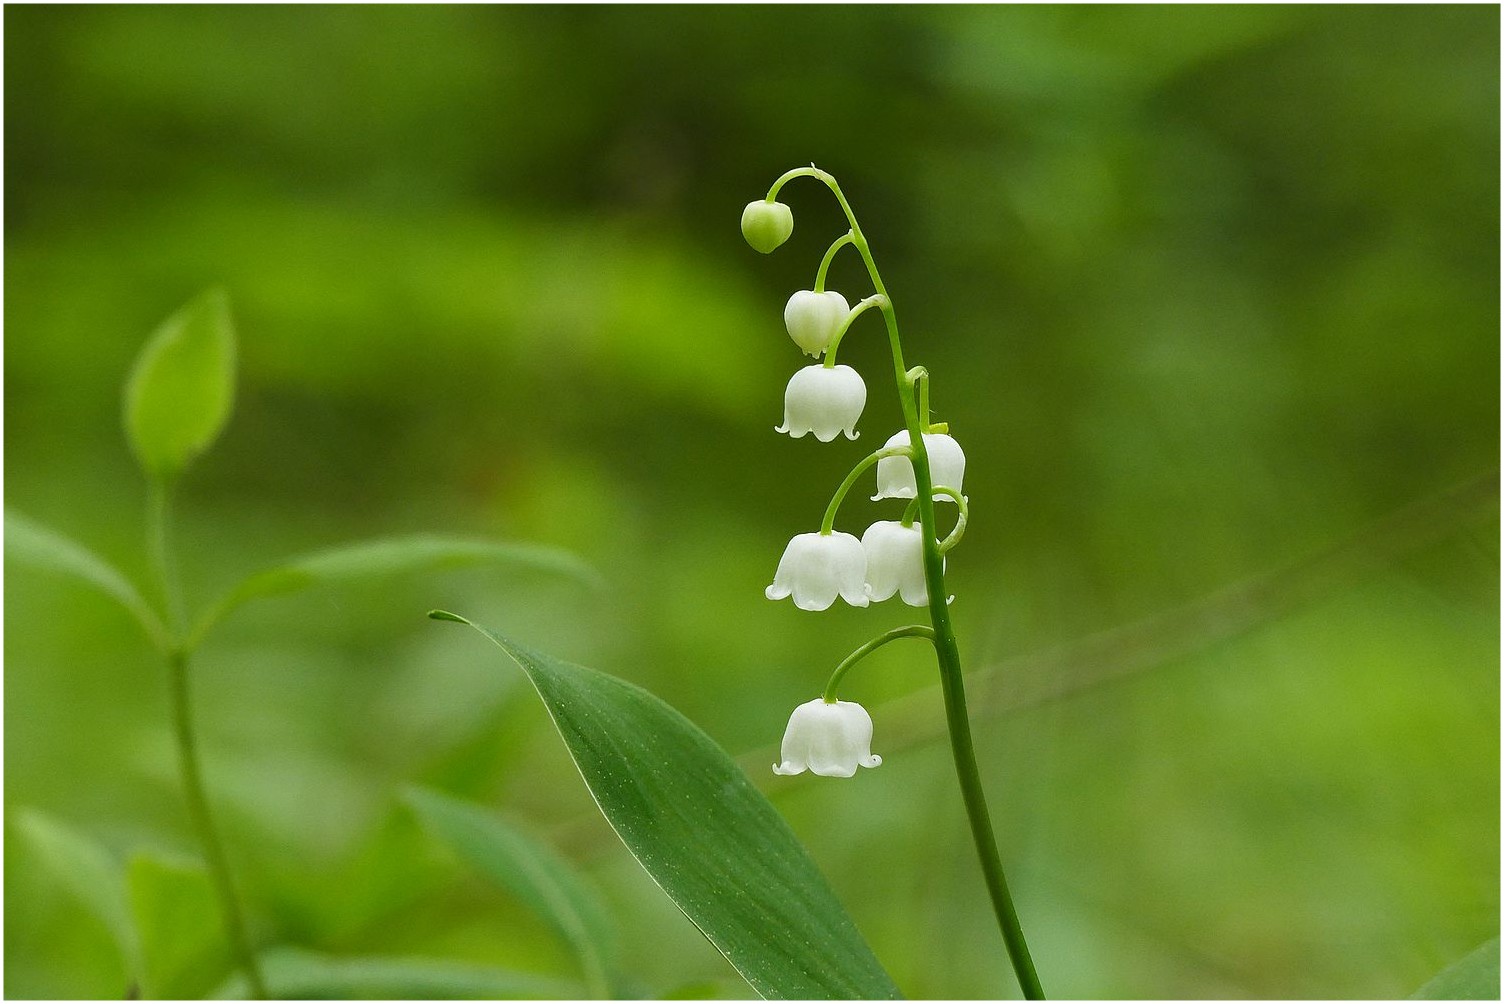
(188,762)
(946,652)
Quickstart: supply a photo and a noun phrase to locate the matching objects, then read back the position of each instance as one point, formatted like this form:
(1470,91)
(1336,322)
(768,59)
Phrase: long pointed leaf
(707,837)
(37,546)
(299,974)
(177,919)
(90,873)
(1474,977)
(531,870)
(390,556)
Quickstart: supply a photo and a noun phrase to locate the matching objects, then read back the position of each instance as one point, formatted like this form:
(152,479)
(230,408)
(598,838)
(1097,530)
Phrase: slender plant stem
(188,761)
(203,823)
(829,257)
(910,631)
(920,378)
(962,515)
(876,300)
(159,499)
(946,652)
(829,522)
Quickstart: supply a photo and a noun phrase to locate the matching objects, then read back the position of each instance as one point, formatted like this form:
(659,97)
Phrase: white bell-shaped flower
(895,475)
(814,318)
(832,740)
(818,567)
(824,400)
(895,562)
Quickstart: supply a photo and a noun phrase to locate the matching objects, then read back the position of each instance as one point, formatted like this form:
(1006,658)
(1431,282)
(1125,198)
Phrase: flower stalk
(875,300)
(828,523)
(913,396)
(910,631)
(840,242)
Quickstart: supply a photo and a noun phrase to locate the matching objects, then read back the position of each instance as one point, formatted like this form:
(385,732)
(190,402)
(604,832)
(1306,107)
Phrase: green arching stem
(859,241)
(911,631)
(875,300)
(946,652)
(828,523)
(829,256)
(959,529)
(956,531)
(188,761)
(919,378)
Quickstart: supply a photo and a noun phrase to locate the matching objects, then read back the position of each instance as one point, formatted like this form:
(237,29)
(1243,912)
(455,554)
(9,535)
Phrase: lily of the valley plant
(920,463)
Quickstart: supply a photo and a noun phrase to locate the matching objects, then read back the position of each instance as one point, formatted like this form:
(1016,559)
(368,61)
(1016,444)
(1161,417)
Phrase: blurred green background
(1205,292)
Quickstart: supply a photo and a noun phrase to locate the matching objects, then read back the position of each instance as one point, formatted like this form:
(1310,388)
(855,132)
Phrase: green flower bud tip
(766,224)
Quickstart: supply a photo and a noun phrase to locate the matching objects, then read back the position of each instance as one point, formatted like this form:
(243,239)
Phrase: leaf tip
(445,615)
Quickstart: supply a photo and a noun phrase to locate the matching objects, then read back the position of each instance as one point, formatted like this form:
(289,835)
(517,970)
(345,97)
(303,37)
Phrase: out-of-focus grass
(1203,291)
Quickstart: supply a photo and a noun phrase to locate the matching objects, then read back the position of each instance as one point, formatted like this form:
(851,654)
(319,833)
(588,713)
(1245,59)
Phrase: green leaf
(183,949)
(298,974)
(531,870)
(390,556)
(1474,977)
(703,990)
(37,546)
(90,873)
(179,394)
(702,831)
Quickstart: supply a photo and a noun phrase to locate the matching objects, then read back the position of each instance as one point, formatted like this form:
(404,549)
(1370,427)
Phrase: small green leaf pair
(31,544)
(177,400)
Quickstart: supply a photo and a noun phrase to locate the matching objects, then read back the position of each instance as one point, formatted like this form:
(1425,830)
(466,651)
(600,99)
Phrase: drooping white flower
(823,400)
(814,318)
(832,740)
(895,562)
(895,475)
(766,224)
(818,567)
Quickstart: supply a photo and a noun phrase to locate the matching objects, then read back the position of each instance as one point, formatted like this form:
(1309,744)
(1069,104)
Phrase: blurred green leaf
(532,871)
(180,392)
(90,873)
(39,547)
(299,974)
(178,922)
(390,556)
(707,837)
(703,990)
(1474,977)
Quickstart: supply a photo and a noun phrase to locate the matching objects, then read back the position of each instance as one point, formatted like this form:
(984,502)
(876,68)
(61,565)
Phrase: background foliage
(1205,291)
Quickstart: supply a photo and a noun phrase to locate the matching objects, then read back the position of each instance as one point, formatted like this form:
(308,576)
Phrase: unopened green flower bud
(766,224)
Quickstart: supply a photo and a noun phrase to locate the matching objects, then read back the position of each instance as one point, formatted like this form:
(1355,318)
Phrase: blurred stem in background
(180,697)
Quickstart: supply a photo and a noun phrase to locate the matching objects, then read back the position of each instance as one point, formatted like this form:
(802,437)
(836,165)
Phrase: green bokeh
(1203,291)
